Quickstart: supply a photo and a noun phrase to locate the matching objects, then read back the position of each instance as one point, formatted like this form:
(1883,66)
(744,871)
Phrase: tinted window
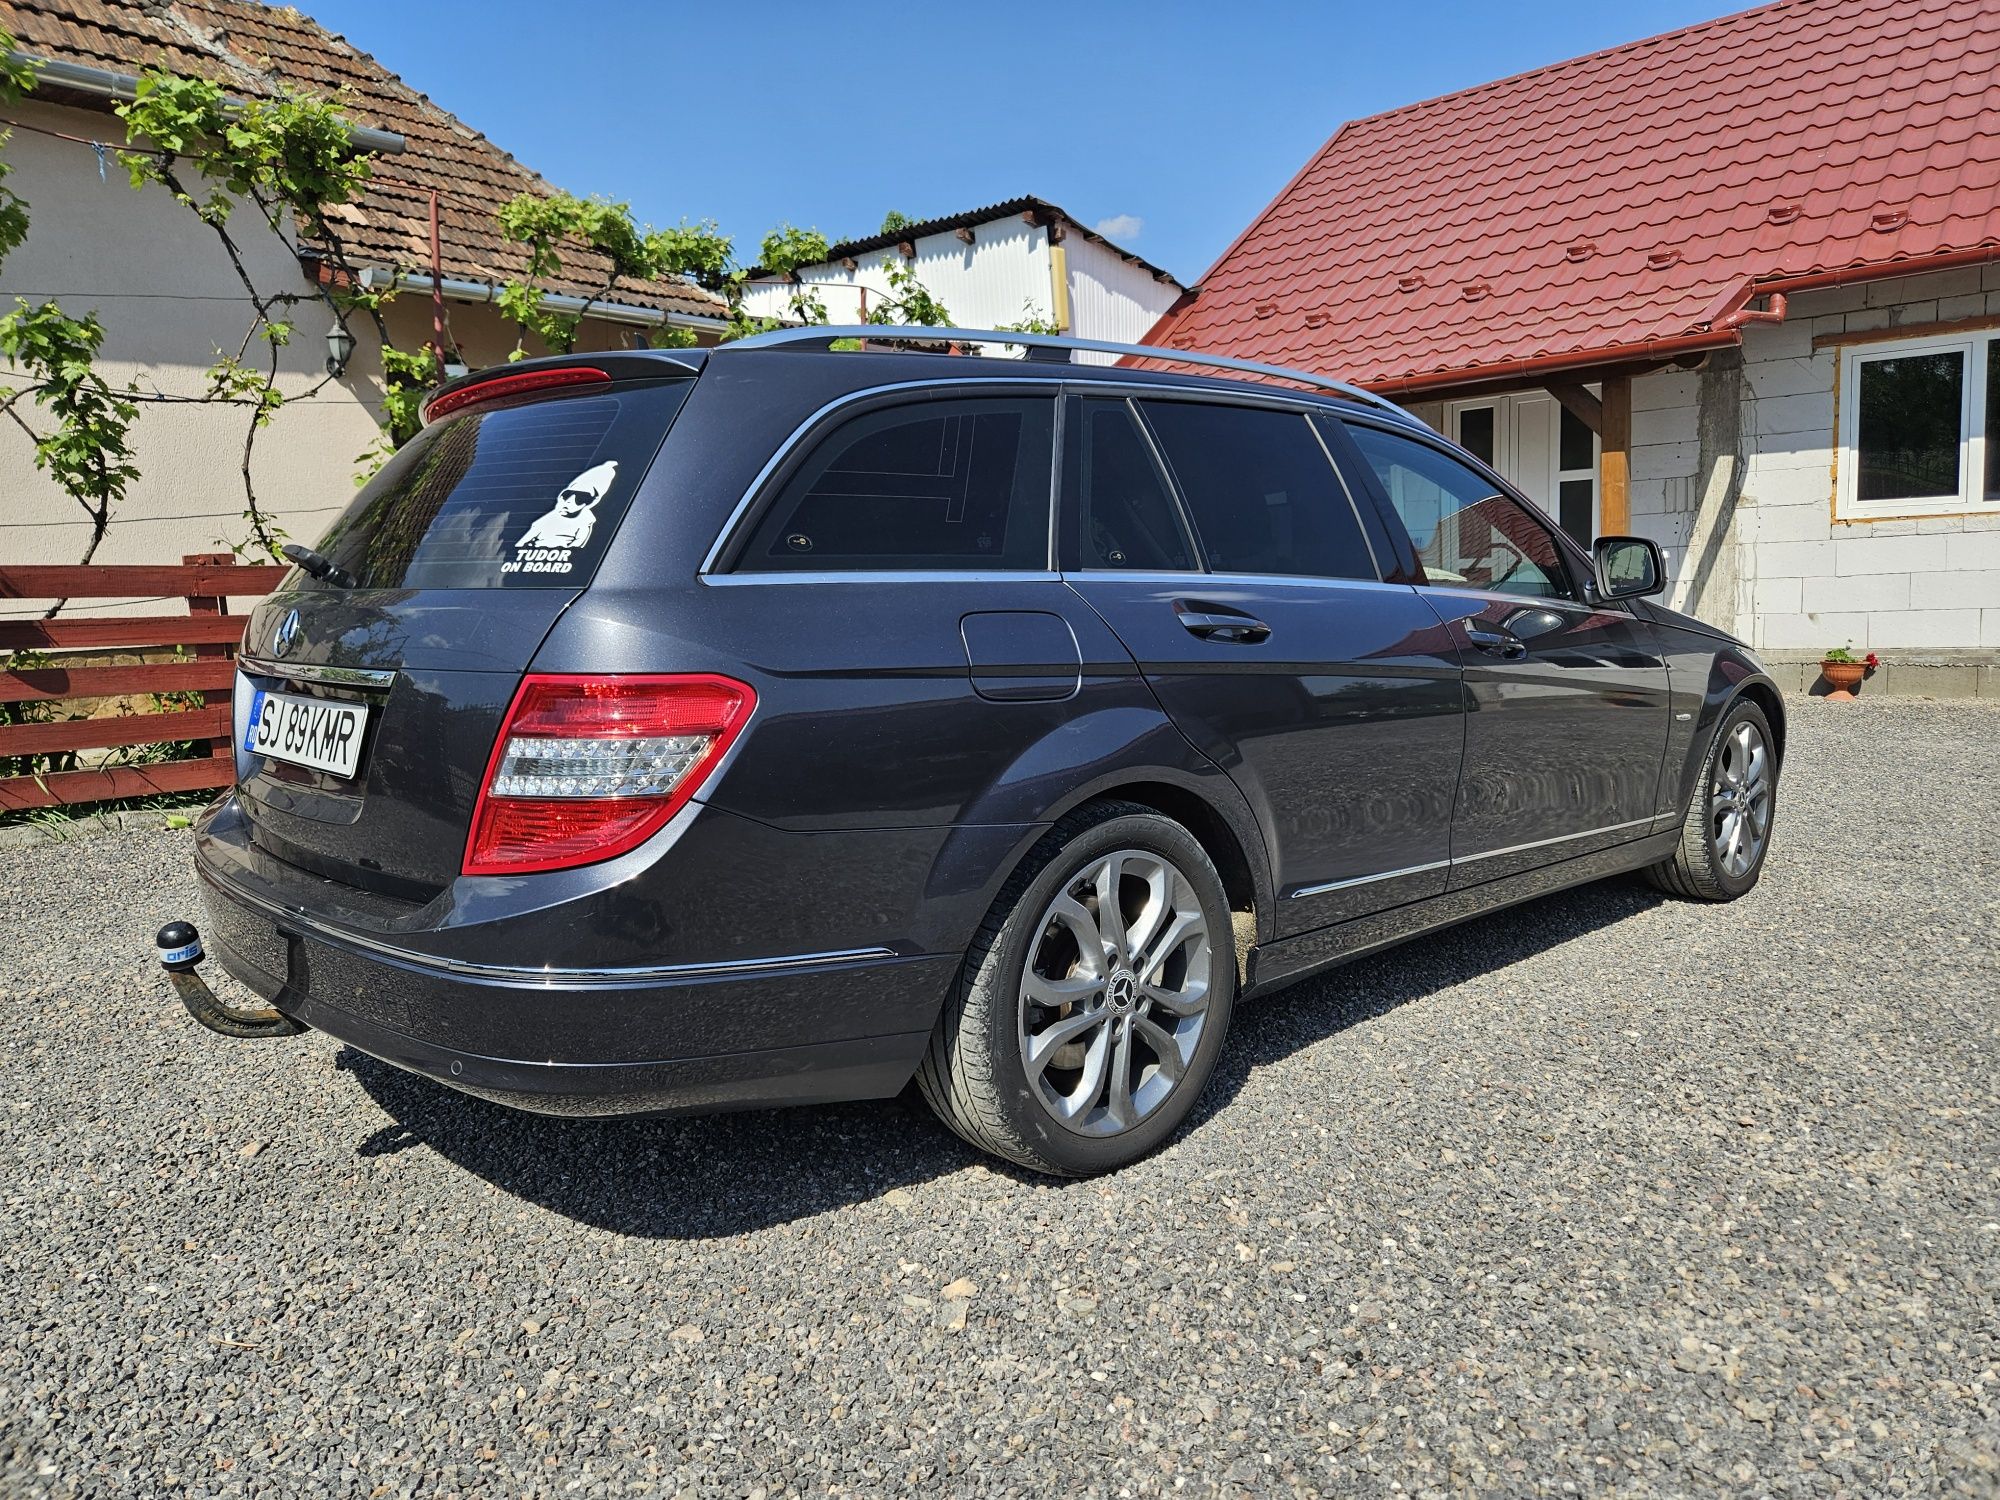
(944,484)
(1128,516)
(1466,535)
(1260,491)
(520,496)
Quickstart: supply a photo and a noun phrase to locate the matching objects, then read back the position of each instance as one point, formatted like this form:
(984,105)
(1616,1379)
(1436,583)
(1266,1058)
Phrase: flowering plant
(1841,654)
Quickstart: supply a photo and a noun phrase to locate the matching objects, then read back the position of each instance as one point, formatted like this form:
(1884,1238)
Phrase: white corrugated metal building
(991,267)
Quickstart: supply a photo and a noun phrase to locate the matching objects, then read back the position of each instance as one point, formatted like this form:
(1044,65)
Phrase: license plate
(318,732)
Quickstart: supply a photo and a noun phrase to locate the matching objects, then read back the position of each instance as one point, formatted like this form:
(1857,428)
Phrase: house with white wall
(169,300)
(1735,288)
(992,267)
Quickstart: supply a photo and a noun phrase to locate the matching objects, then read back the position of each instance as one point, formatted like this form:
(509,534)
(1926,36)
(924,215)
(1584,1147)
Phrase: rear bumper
(675,1039)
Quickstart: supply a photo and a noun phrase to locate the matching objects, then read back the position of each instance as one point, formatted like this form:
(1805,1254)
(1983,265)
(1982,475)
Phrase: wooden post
(213,604)
(1614,464)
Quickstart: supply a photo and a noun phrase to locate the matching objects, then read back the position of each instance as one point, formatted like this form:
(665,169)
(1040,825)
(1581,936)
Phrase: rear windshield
(521,496)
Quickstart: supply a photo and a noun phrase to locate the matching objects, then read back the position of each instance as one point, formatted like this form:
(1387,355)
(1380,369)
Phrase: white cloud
(1121,227)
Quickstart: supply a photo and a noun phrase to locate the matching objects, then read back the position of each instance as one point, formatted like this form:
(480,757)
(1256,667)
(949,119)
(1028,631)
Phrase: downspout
(1774,313)
(437,285)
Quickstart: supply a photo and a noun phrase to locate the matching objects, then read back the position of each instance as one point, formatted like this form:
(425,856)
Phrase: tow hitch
(180,951)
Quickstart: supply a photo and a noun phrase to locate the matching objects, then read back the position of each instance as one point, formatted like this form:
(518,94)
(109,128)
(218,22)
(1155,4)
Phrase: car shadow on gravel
(719,1175)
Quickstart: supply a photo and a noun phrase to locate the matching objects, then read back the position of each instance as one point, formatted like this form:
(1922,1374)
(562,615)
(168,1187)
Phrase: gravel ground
(1607,1195)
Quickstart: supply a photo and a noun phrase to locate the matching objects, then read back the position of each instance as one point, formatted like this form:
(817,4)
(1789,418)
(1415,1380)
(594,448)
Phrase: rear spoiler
(528,379)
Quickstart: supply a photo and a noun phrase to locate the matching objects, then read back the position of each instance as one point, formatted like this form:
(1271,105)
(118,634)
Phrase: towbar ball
(180,947)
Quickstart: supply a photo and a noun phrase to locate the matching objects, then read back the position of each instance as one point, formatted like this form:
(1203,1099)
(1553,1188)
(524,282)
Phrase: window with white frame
(1920,427)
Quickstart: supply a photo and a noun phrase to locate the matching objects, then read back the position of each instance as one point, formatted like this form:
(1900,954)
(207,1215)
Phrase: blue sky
(1169,124)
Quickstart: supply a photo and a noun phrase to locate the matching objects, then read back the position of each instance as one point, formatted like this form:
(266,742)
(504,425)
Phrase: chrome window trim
(1256,580)
(882,575)
(365,677)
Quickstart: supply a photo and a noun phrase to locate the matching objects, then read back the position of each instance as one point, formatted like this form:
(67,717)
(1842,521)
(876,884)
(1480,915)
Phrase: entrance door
(1539,446)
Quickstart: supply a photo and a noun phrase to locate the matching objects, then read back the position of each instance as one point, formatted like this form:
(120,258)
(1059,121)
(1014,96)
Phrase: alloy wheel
(1740,800)
(1114,996)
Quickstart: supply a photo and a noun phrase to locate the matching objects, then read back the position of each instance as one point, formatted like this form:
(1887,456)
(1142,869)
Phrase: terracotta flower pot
(1843,677)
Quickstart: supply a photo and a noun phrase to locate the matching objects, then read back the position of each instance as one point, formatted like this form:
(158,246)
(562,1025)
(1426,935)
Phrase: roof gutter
(1729,310)
(83,79)
(1549,364)
(486,291)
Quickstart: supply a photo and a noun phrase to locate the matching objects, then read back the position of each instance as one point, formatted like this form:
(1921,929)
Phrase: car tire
(1039,1083)
(1734,800)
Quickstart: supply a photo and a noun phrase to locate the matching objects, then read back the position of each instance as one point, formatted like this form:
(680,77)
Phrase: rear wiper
(319,567)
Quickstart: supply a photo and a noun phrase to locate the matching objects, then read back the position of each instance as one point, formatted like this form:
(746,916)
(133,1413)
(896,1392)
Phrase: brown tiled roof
(251,49)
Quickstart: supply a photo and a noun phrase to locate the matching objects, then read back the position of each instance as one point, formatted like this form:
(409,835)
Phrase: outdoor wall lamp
(339,350)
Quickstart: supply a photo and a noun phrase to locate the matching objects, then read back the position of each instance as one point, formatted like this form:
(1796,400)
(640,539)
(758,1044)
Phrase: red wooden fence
(206,581)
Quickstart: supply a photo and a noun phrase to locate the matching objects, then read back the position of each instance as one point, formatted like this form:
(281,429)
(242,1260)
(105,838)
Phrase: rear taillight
(588,767)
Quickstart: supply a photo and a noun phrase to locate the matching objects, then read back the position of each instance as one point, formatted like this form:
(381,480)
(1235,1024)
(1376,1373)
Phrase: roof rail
(822,335)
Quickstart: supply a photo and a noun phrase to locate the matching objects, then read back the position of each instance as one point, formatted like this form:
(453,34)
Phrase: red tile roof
(250,48)
(1627,199)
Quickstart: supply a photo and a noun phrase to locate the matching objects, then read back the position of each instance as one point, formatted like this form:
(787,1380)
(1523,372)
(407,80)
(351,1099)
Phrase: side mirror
(1627,567)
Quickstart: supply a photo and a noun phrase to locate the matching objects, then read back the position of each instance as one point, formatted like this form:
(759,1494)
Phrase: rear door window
(1262,494)
(523,496)
(953,484)
(1123,508)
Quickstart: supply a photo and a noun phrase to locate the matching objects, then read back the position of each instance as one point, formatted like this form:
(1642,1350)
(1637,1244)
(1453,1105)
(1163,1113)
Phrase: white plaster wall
(168,299)
(1001,277)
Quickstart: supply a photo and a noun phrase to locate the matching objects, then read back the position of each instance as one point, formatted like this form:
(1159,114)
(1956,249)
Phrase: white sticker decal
(548,545)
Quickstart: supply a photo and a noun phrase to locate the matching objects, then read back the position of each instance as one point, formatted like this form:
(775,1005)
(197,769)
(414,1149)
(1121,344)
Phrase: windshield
(523,496)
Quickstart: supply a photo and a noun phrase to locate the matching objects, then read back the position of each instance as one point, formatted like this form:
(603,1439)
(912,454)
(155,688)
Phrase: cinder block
(1665,460)
(1972,589)
(1779,596)
(1667,424)
(1781,414)
(1970,305)
(1973,551)
(1924,680)
(1794,559)
(1791,523)
(1989,682)
(1811,632)
(1870,591)
(1913,312)
(1930,628)
(1867,319)
(1989,628)
(1665,389)
(1834,299)
(1877,553)
(1791,339)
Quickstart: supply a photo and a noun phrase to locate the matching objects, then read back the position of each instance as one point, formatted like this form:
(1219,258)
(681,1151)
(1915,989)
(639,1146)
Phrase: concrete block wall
(1929,585)
(1762,518)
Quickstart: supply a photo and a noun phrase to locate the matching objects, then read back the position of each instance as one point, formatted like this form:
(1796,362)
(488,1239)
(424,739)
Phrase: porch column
(1614,463)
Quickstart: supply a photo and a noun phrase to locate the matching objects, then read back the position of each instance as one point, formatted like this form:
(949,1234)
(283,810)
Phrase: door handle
(1216,622)
(1501,643)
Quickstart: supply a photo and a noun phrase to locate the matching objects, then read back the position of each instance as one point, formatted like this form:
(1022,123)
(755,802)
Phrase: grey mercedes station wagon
(783,722)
